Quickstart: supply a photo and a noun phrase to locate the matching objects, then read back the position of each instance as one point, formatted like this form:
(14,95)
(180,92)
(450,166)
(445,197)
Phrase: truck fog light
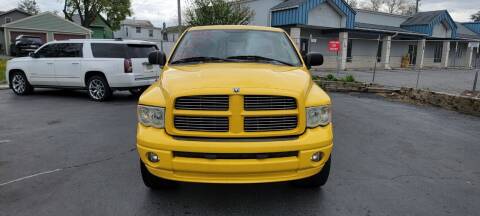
(152,157)
(316,157)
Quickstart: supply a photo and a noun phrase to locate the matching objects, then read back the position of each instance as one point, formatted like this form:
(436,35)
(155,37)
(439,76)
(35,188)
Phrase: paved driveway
(389,159)
(450,81)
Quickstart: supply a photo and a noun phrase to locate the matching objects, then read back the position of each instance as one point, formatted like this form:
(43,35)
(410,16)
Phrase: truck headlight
(319,116)
(151,116)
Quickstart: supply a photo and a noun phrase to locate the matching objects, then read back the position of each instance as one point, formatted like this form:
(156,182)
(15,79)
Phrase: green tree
(114,11)
(217,12)
(476,17)
(29,6)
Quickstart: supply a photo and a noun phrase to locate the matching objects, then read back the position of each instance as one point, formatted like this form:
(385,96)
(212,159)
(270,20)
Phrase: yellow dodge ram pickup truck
(234,104)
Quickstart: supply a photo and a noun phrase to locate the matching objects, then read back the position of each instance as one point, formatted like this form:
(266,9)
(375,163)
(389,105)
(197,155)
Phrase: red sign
(334,46)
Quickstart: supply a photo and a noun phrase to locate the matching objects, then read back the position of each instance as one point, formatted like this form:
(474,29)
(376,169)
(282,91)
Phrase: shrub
(349,78)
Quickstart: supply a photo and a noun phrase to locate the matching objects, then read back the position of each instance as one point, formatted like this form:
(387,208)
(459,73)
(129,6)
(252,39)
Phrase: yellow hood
(178,80)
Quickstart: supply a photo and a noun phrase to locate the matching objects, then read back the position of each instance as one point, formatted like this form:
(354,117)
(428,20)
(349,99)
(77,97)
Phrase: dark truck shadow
(234,199)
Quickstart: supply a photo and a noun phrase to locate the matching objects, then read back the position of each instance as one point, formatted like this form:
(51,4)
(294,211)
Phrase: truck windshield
(235,46)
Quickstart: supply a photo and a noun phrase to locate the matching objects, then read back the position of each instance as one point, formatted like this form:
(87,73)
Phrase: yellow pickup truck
(234,104)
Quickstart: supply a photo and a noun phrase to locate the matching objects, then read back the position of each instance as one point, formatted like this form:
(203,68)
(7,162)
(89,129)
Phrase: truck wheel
(20,84)
(153,182)
(98,88)
(318,179)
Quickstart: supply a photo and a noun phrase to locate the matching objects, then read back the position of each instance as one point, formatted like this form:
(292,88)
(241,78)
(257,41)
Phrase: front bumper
(234,170)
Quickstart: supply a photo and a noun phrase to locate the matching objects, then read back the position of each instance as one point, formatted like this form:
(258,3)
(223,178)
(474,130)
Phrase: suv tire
(318,179)
(153,182)
(19,84)
(98,88)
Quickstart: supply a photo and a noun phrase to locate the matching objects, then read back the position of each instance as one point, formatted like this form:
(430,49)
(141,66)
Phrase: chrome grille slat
(274,123)
(202,102)
(267,102)
(194,123)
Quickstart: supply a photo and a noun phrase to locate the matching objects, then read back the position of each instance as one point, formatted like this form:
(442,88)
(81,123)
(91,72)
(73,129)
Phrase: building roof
(47,21)
(138,23)
(424,18)
(15,9)
(295,3)
(368,26)
(76,19)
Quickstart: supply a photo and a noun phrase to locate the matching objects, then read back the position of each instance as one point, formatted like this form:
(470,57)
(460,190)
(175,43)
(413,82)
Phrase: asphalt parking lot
(61,154)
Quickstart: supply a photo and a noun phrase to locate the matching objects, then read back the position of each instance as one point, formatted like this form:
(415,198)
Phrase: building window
(379,51)
(165,36)
(150,33)
(437,52)
(126,31)
(138,29)
(8,19)
(349,50)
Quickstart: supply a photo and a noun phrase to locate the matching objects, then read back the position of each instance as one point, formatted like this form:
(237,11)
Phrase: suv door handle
(75,63)
(49,63)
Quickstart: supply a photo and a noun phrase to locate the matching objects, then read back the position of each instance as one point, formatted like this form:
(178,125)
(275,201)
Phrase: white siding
(261,9)
(327,16)
(143,35)
(441,31)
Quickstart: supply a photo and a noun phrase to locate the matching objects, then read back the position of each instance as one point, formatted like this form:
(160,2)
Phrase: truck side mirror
(313,59)
(157,58)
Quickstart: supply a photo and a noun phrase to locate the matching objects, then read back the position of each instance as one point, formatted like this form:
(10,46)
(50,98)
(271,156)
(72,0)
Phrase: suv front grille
(202,102)
(266,102)
(210,124)
(263,124)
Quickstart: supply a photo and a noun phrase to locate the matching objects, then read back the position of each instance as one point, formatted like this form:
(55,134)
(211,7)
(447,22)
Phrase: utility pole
(416,8)
(179,28)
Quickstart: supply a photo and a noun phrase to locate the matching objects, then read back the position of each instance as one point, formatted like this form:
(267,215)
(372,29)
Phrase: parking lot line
(30,176)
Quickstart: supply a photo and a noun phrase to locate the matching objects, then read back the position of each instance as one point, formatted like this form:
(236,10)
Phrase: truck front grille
(202,102)
(209,124)
(267,102)
(274,123)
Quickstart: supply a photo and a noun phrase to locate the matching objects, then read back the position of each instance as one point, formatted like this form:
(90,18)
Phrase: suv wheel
(20,84)
(98,88)
(154,182)
(318,179)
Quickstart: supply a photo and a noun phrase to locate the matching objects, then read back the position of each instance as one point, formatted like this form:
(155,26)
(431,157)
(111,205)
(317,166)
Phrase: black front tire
(98,88)
(153,182)
(19,84)
(318,179)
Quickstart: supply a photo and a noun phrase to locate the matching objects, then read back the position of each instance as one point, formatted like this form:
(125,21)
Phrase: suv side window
(70,50)
(48,51)
(109,50)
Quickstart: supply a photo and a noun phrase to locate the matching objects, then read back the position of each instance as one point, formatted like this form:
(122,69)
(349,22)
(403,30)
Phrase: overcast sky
(159,11)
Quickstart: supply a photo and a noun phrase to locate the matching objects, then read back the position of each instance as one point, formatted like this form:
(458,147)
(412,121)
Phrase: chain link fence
(450,66)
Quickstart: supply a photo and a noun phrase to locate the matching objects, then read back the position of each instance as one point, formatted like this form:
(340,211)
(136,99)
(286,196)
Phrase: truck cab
(234,104)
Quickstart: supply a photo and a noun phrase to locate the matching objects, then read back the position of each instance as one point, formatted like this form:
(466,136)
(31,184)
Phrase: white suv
(100,66)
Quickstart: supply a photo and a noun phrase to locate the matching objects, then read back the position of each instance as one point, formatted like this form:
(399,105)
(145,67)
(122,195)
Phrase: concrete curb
(3,86)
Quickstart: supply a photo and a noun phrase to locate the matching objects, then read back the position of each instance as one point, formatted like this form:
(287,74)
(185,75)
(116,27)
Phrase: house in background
(134,29)
(8,17)
(100,27)
(171,34)
(426,39)
(46,25)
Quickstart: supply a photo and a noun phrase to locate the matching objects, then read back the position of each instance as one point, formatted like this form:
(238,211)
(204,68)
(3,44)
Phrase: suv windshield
(235,45)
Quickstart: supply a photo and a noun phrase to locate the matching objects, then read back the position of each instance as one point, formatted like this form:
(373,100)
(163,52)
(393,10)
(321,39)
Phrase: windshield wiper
(198,59)
(258,58)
